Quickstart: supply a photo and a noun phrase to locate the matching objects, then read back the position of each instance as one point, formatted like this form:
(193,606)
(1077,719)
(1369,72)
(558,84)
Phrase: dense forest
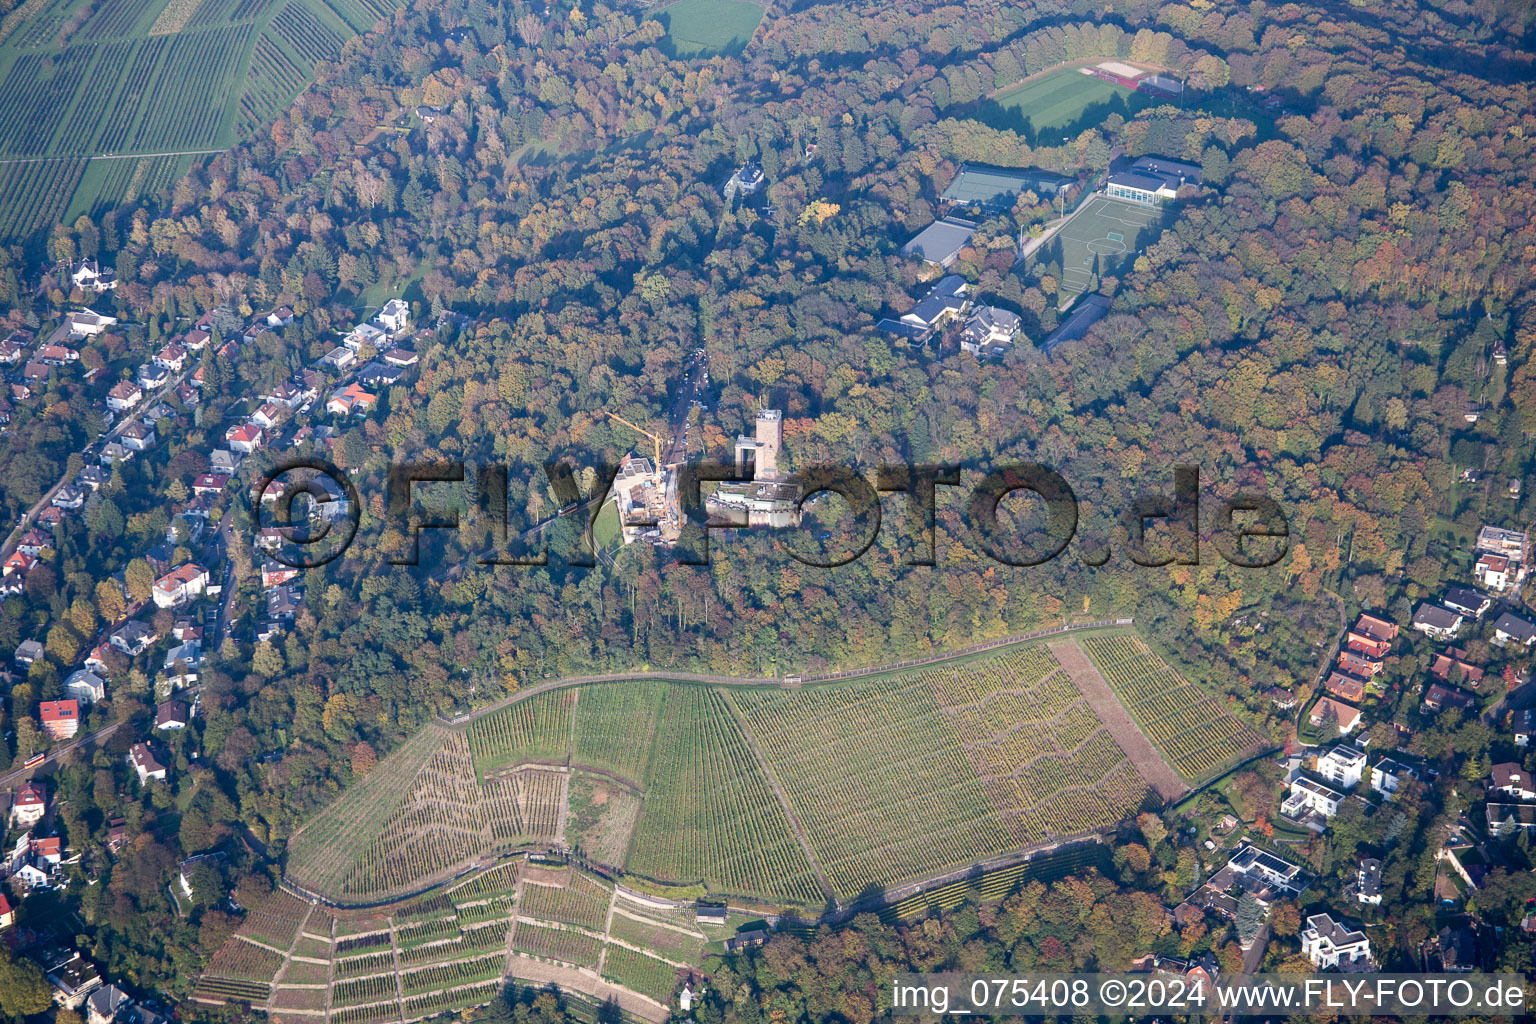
(1312,326)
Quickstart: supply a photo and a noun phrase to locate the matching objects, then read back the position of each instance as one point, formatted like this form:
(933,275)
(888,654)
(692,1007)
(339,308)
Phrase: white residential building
(1331,945)
(1389,776)
(1344,766)
(1311,803)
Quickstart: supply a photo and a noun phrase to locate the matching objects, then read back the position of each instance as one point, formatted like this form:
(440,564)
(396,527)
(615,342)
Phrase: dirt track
(1158,772)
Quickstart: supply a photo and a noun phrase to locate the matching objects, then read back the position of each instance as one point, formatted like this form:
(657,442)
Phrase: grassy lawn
(702,28)
(605,528)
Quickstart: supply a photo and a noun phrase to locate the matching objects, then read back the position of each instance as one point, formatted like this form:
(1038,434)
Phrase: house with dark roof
(1368,882)
(1510,628)
(1436,622)
(1466,601)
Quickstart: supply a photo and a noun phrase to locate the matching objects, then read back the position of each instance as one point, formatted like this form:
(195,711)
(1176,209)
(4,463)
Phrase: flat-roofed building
(999,188)
(939,243)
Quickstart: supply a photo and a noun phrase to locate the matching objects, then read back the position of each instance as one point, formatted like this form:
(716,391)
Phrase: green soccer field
(1058,99)
(1106,232)
(704,27)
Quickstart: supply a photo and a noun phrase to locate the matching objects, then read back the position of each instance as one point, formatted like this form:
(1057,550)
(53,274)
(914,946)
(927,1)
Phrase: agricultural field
(322,853)
(1197,735)
(643,974)
(670,941)
(563,944)
(702,28)
(786,796)
(576,900)
(102,103)
(710,815)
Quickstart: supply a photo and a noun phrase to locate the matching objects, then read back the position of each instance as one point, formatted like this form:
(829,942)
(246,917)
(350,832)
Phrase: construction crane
(655,439)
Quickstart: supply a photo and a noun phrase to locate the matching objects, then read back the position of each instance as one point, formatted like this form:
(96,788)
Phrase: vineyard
(163,79)
(1196,734)
(644,974)
(709,813)
(782,795)
(535,730)
(872,817)
(562,944)
(580,901)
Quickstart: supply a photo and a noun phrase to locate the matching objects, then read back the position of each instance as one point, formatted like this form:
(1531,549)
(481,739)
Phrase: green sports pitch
(1055,100)
(702,28)
(101,103)
(1105,231)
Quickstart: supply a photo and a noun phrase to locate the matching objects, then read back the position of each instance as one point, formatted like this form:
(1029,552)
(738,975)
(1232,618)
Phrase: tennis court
(1111,229)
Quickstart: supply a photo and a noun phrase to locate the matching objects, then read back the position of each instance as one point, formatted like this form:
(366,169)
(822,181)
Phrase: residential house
(117,835)
(1311,803)
(137,437)
(1511,628)
(87,323)
(1330,945)
(210,483)
(152,376)
(180,585)
(1356,664)
(1496,572)
(173,714)
(225,461)
(267,416)
(394,317)
(89,277)
(145,764)
(364,334)
(1512,780)
(91,478)
(11,353)
(1345,687)
(1281,698)
(29,805)
(1495,540)
(1343,766)
(377,374)
(173,357)
(133,638)
(1436,622)
(104,1004)
(1327,710)
(18,563)
(1388,776)
(189,654)
(1522,725)
(1368,882)
(350,399)
(69,498)
(72,976)
(339,359)
(400,357)
(1450,663)
(244,438)
(35,373)
(945,301)
(114,453)
(989,332)
(275,574)
(1457,947)
(57,355)
(34,542)
(1371,636)
(28,651)
(1438,697)
(196,340)
(1507,820)
(85,687)
(60,719)
(1466,601)
(283,603)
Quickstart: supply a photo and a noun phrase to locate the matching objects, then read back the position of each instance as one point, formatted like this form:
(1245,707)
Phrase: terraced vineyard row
(1195,733)
(709,814)
(538,729)
(616,726)
(580,901)
(644,974)
(34,195)
(877,778)
(571,947)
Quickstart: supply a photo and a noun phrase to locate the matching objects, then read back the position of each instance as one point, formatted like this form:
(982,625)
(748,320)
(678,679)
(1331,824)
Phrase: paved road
(1158,772)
